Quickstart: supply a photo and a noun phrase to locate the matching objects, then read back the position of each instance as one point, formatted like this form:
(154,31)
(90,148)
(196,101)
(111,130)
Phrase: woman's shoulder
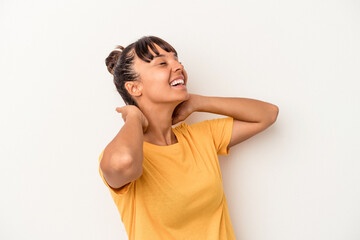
(210,124)
(183,126)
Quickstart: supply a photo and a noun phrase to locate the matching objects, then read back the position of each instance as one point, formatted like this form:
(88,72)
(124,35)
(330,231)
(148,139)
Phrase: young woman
(166,181)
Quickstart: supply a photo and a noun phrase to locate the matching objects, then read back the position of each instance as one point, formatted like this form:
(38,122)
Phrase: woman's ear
(134,88)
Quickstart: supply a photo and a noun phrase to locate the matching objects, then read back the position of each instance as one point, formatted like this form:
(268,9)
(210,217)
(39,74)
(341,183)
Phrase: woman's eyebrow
(162,55)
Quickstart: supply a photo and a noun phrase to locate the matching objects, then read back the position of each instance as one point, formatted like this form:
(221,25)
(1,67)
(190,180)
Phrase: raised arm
(251,116)
(123,156)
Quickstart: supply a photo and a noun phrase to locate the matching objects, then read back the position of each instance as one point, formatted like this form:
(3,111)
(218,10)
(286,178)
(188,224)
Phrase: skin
(161,106)
(155,97)
(164,106)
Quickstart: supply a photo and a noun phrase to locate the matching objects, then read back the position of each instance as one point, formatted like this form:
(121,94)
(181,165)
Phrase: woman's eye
(164,63)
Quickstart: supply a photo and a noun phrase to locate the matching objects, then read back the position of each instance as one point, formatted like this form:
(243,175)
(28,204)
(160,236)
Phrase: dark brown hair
(120,63)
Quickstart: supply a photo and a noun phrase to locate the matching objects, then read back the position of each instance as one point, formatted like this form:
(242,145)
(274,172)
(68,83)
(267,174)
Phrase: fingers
(120,110)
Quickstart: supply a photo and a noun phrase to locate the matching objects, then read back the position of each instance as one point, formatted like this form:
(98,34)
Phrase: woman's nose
(177,66)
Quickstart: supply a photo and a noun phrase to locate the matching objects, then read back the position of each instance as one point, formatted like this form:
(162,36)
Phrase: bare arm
(251,116)
(245,109)
(123,156)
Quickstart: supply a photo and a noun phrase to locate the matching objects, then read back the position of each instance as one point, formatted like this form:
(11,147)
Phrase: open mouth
(177,83)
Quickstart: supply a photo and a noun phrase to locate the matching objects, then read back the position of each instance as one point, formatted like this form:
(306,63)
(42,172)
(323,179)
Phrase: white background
(299,179)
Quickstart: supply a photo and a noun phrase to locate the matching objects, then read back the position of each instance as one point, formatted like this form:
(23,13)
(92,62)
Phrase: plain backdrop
(299,179)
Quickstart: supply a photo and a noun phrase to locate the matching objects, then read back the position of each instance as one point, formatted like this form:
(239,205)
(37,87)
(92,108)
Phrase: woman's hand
(184,109)
(133,110)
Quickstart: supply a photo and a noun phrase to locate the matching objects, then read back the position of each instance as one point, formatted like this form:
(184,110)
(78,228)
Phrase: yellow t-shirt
(180,193)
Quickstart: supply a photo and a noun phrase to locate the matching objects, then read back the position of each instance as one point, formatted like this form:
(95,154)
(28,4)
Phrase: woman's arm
(250,116)
(244,109)
(123,156)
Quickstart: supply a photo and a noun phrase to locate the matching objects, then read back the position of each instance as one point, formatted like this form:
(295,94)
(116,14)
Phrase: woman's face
(155,78)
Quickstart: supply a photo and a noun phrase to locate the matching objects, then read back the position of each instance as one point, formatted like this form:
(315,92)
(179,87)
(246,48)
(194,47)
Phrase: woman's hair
(121,63)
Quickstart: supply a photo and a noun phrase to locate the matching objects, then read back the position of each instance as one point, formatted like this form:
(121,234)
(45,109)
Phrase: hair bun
(113,57)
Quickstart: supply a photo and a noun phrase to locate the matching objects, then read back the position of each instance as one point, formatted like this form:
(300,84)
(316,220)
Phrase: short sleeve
(115,191)
(221,131)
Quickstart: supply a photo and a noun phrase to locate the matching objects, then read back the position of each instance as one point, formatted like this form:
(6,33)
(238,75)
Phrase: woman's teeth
(176,82)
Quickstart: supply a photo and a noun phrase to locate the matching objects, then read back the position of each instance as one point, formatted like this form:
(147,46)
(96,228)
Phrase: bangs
(143,52)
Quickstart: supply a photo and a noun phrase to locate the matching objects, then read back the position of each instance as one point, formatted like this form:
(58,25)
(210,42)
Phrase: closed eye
(163,63)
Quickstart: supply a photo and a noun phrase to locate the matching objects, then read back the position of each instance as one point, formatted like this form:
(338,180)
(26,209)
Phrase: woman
(166,181)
